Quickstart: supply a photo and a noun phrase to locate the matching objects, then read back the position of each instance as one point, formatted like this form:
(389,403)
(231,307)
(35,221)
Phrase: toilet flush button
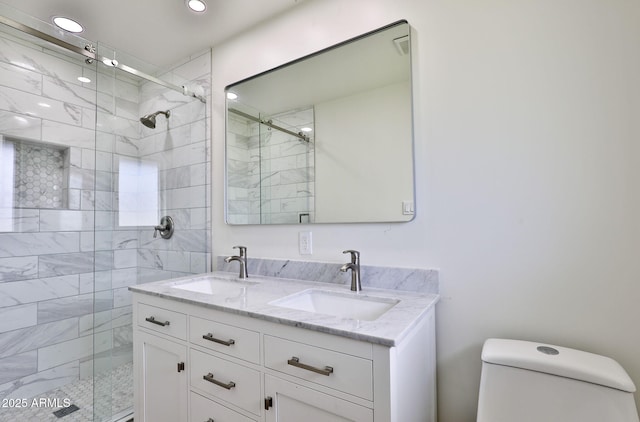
(548,350)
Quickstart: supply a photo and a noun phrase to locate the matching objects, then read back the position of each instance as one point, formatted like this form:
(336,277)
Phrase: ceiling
(158,32)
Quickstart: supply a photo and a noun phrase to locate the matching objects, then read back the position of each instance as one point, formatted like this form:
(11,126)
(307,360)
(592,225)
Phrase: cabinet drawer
(226,380)
(162,320)
(332,369)
(233,341)
(203,410)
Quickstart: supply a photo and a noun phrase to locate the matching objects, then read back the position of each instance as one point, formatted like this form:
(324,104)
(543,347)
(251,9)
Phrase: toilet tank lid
(556,360)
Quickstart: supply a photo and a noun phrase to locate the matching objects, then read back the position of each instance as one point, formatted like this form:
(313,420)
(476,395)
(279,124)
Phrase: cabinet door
(295,403)
(162,390)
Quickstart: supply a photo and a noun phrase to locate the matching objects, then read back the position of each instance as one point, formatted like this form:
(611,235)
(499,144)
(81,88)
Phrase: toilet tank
(524,381)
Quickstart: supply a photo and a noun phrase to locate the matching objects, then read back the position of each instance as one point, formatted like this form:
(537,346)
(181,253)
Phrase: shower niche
(40,173)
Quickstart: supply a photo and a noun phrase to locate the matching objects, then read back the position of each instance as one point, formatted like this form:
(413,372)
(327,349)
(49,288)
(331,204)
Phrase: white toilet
(530,382)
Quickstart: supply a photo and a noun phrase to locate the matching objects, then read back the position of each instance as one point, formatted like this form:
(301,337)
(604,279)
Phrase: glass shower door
(47,143)
(146,175)
(83,184)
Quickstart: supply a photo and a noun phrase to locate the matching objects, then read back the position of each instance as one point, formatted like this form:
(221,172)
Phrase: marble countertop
(253,297)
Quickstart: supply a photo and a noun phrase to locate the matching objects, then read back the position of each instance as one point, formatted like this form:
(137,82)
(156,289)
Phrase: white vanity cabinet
(160,380)
(239,368)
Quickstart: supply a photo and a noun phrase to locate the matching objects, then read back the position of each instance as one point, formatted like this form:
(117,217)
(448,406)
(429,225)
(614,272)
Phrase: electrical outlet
(305,245)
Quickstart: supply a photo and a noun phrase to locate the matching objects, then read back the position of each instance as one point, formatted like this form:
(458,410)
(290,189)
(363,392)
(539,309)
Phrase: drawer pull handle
(294,361)
(210,420)
(210,337)
(153,321)
(209,377)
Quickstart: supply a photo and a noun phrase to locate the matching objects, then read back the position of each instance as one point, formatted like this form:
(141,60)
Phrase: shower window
(7,159)
(138,192)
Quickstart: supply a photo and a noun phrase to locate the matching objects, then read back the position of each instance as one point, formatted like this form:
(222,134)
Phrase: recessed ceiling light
(306,129)
(67,24)
(196,5)
(84,79)
(232,96)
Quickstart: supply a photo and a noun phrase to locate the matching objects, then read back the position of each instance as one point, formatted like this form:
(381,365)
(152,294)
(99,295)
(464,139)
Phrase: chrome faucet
(242,259)
(354,266)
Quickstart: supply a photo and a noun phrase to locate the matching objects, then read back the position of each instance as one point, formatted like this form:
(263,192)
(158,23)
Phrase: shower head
(150,119)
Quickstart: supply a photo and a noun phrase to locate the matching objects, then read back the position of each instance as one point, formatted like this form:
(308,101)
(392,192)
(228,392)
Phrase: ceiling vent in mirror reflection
(402,45)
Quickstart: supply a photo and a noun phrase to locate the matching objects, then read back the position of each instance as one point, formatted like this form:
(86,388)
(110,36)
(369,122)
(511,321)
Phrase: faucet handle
(355,256)
(243,250)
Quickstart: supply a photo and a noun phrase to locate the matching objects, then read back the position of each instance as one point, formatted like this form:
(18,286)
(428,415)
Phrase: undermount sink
(211,286)
(365,308)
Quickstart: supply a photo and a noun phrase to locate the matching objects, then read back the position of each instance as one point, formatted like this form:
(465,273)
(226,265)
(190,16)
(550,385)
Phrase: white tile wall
(15,317)
(47,279)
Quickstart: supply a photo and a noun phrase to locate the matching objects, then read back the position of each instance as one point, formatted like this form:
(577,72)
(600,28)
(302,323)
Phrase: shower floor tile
(114,391)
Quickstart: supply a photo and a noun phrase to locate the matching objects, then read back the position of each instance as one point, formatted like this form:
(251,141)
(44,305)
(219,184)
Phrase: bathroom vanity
(215,348)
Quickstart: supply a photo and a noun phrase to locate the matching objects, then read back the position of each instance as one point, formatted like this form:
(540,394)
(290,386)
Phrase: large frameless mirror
(326,138)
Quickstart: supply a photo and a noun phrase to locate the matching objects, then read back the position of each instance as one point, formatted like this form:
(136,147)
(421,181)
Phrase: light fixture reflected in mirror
(110,62)
(197,5)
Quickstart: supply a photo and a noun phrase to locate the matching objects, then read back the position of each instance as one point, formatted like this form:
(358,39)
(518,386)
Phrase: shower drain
(66,411)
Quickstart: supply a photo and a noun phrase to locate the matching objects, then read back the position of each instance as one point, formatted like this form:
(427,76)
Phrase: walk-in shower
(150,119)
(83,186)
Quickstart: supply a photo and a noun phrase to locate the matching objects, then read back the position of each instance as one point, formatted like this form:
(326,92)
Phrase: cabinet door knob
(268,403)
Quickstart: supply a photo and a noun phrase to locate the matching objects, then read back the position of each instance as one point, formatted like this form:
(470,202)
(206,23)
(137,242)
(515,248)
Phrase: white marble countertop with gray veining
(253,297)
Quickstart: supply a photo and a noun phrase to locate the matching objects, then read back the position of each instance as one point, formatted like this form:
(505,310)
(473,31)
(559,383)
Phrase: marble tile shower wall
(46,254)
(270,173)
(48,336)
(287,171)
(243,172)
(179,145)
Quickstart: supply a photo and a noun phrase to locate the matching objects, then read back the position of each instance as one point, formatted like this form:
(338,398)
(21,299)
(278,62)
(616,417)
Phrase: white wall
(366,154)
(528,170)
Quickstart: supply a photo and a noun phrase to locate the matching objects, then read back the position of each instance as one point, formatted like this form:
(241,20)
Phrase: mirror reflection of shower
(150,119)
